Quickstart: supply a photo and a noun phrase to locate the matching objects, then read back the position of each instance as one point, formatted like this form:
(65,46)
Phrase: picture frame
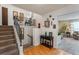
(54,26)
(52,18)
(47,23)
(39,25)
(21,16)
(15,14)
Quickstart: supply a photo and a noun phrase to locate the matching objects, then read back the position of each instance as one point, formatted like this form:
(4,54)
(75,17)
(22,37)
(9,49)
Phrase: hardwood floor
(42,50)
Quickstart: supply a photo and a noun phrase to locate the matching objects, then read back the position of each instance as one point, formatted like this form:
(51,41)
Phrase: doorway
(4,16)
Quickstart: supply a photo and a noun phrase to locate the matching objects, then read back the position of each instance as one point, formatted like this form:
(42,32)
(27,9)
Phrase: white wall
(36,36)
(39,19)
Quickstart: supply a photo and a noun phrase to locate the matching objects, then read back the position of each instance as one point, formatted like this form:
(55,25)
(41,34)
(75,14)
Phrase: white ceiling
(41,8)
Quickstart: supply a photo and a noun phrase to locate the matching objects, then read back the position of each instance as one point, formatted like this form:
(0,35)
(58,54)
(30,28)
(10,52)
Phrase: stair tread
(11,52)
(5,35)
(2,41)
(4,47)
(5,31)
(6,26)
(7,42)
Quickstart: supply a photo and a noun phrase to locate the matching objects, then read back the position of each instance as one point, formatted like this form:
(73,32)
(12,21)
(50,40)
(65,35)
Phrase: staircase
(8,45)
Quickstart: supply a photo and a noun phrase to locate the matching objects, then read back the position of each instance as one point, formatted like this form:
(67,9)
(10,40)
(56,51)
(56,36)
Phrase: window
(75,26)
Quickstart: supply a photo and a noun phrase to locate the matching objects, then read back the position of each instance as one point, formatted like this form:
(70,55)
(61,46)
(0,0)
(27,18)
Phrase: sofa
(76,35)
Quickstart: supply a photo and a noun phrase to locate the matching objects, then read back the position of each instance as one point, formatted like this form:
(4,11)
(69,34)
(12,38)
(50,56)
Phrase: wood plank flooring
(42,50)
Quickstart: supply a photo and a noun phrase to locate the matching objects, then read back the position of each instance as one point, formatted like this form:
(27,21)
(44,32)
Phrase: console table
(46,41)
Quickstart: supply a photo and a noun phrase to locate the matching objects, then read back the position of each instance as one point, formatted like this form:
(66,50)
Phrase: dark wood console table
(46,41)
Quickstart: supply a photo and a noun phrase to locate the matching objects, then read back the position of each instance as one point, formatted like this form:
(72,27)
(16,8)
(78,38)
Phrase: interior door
(4,16)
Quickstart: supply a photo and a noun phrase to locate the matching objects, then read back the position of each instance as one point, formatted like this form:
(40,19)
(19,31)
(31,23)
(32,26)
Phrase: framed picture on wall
(15,14)
(47,23)
(54,26)
(21,16)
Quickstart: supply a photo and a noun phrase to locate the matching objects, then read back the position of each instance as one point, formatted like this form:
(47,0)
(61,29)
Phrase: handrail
(30,36)
(18,29)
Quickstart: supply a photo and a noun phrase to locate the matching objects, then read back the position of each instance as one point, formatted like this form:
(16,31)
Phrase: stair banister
(18,30)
